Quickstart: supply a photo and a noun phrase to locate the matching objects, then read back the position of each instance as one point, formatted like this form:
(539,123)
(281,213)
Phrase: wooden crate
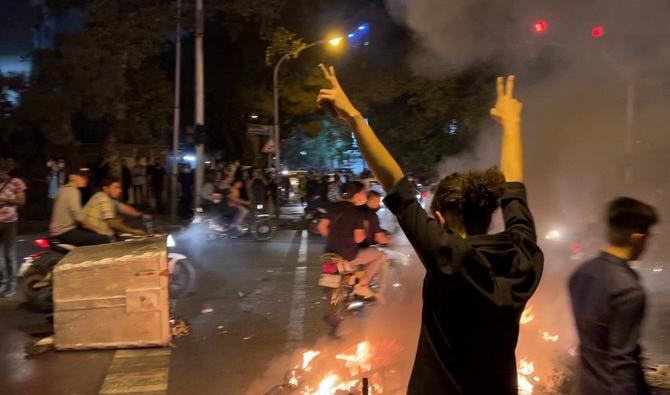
(112,296)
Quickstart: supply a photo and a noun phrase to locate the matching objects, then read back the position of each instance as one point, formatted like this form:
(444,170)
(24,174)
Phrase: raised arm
(382,164)
(507,112)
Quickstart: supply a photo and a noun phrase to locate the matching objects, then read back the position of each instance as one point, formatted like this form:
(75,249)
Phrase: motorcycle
(315,211)
(36,269)
(338,279)
(259,223)
(313,218)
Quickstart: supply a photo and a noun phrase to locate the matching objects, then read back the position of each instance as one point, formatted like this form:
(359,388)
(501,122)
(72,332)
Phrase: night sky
(15,27)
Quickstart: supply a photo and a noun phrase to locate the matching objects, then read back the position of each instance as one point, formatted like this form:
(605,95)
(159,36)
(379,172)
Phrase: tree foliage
(112,80)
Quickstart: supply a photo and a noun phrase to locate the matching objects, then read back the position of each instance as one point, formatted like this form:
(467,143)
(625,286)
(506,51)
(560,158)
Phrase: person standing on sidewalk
(139,181)
(12,195)
(126,180)
(608,303)
(157,175)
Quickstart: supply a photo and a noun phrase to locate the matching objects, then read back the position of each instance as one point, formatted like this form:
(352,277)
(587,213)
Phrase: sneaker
(363,291)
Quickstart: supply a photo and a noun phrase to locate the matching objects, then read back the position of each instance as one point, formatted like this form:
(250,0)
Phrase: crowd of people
(142,184)
(477,284)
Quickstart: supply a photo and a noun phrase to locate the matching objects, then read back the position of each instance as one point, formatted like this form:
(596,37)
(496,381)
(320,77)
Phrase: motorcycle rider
(102,211)
(374,234)
(344,228)
(257,187)
(211,198)
(235,201)
(68,219)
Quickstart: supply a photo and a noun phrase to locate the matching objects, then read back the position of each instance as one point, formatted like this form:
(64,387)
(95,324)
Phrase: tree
(434,116)
(324,148)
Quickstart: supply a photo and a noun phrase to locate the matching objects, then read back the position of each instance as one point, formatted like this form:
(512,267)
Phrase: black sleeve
(374,224)
(440,251)
(357,218)
(518,219)
(624,331)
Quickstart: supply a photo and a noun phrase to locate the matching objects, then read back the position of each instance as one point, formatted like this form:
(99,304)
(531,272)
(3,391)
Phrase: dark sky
(15,27)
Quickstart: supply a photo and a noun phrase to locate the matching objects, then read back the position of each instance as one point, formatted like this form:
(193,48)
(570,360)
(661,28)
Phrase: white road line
(295,320)
(302,250)
(139,371)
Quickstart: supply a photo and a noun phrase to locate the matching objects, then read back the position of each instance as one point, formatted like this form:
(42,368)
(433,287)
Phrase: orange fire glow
(360,362)
(527,316)
(546,336)
(307,359)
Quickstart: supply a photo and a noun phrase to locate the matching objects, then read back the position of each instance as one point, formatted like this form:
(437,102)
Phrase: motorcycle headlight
(170,241)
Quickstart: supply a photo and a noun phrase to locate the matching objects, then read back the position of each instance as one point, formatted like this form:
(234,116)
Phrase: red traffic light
(598,32)
(540,26)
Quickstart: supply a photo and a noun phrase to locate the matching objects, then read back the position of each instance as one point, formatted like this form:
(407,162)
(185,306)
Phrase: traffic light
(540,27)
(598,32)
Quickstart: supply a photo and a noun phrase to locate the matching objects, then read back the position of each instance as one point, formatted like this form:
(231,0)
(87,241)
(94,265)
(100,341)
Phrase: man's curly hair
(471,196)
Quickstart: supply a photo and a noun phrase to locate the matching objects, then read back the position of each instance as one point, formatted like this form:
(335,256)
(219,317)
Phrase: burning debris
(350,374)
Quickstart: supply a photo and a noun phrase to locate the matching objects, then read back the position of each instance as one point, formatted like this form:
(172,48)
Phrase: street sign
(261,130)
(269,147)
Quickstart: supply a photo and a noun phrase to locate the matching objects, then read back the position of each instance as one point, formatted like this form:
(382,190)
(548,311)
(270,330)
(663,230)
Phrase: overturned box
(112,296)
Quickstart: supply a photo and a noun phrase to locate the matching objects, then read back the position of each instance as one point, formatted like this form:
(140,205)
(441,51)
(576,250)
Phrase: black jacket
(608,303)
(473,295)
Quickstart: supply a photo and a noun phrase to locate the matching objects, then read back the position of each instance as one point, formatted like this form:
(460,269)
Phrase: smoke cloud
(594,110)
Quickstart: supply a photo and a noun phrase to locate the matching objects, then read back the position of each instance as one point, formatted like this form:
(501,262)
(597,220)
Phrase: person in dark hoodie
(476,284)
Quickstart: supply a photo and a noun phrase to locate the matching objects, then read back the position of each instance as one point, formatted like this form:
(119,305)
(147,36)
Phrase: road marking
(302,250)
(142,371)
(297,315)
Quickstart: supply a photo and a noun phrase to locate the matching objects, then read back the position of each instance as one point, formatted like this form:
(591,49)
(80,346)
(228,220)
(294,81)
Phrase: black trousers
(83,237)
(8,268)
(157,191)
(138,194)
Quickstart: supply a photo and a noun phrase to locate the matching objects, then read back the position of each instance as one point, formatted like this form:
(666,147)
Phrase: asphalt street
(255,309)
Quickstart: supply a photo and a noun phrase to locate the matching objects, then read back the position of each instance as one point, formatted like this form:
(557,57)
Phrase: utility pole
(199,99)
(630,131)
(176,118)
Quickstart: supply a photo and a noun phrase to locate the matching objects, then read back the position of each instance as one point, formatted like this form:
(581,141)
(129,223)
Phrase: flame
(325,386)
(357,363)
(525,387)
(293,381)
(546,336)
(526,368)
(331,384)
(360,361)
(527,316)
(307,359)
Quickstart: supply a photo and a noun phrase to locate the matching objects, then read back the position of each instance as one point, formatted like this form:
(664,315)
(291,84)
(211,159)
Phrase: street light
(275,85)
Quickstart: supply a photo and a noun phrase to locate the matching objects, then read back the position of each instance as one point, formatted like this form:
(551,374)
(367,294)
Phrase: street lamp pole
(199,99)
(275,88)
(176,116)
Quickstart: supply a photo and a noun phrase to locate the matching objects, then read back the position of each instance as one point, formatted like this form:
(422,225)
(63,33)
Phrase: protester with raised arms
(476,284)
